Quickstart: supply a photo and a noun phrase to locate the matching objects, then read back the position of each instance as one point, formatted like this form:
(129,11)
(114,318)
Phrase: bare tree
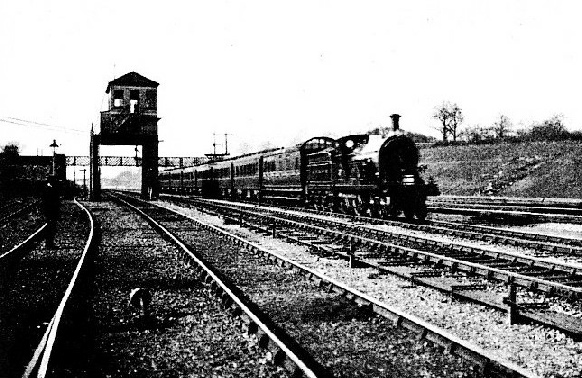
(441,113)
(450,116)
(501,127)
(455,120)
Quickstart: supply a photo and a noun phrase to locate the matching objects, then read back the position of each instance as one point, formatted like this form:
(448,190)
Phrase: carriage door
(260,179)
(232,196)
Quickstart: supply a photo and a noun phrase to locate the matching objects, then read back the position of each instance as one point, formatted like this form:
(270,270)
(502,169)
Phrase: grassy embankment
(532,169)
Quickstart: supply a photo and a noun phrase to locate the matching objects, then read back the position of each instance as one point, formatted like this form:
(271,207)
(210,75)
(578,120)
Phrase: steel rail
(451,343)
(459,264)
(529,236)
(17,251)
(41,357)
(541,242)
(571,326)
(291,357)
(472,228)
(529,282)
(567,203)
(4,218)
(561,218)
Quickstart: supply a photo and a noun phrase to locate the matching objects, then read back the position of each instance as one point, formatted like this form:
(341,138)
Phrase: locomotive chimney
(395,125)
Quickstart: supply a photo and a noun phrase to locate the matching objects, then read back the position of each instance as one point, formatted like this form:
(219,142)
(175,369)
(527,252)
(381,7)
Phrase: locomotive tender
(357,174)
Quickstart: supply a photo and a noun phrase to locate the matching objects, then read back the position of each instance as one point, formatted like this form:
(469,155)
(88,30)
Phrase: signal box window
(151,99)
(118,98)
(134,101)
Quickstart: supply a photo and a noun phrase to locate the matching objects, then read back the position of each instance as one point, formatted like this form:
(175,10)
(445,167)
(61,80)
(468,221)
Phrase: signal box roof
(132,79)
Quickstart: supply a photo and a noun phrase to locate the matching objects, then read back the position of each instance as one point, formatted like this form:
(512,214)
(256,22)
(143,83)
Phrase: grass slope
(532,169)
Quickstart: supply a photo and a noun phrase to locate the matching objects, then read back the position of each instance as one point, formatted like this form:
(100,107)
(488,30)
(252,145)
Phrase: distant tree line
(450,117)
(9,170)
(451,129)
(502,130)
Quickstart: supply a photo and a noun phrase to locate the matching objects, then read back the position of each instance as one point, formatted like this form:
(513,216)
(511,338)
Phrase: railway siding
(30,295)
(18,226)
(186,330)
(363,235)
(382,240)
(547,352)
(418,327)
(406,262)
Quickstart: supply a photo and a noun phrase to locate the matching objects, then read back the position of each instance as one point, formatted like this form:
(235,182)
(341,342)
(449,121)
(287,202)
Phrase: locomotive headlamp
(349,143)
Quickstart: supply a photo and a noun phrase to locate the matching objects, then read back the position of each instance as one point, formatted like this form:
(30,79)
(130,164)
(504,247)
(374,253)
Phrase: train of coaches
(358,174)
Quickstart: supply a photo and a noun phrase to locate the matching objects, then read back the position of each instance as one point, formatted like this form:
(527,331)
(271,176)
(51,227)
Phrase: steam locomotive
(355,174)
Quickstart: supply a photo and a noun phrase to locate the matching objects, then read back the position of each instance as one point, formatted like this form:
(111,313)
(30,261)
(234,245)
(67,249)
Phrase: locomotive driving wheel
(390,212)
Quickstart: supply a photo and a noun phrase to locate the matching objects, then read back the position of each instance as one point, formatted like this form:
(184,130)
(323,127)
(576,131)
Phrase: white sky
(280,72)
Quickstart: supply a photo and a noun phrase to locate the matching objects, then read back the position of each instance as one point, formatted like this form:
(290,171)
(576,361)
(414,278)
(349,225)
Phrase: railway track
(36,290)
(535,203)
(18,222)
(283,352)
(152,314)
(540,244)
(467,272)
(420,328)
(15,208)
(541,209)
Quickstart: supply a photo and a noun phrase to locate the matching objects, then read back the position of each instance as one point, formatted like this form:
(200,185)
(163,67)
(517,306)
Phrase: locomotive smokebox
(395,122)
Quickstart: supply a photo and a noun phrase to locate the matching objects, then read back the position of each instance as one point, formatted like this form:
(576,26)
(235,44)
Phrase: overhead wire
(27,123)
